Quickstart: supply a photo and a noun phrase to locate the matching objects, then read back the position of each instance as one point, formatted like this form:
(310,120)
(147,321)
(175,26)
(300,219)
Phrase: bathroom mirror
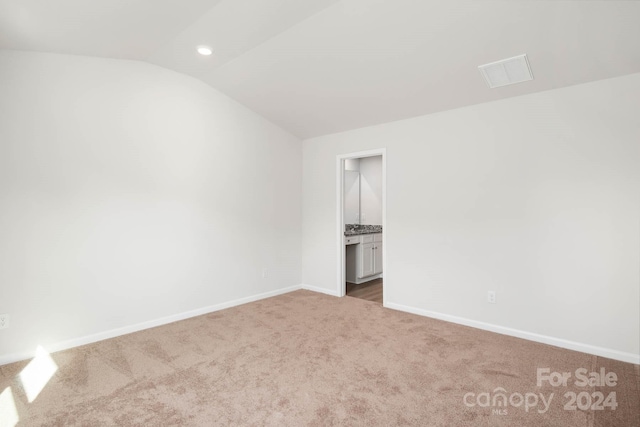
(351,197)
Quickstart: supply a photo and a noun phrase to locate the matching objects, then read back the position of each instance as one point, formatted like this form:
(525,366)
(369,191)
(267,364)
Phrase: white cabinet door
(377,261)
(367,260)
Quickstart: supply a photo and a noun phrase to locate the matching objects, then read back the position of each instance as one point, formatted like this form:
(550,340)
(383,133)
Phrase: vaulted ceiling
(322,66)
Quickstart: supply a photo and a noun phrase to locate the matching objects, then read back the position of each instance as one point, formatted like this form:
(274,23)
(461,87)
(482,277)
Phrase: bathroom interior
(363,228)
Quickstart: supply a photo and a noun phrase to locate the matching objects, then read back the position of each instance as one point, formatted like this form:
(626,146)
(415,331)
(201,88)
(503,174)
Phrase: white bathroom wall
(534,197)
(351,197)
(371,190)
(130,193)
(352,165)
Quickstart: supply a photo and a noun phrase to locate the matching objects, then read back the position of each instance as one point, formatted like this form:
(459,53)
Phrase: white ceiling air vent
(507,71)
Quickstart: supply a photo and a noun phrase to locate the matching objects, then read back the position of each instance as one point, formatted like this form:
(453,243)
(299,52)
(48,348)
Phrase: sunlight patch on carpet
(8,412)
(37,373)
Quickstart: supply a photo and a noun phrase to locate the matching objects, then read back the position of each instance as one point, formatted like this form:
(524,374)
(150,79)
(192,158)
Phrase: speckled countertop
(357,229)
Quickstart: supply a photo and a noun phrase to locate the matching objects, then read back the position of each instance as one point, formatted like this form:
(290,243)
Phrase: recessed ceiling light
(204,50)
(507,71)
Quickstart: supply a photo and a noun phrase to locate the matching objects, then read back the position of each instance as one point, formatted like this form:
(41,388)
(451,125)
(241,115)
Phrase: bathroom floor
(370,291)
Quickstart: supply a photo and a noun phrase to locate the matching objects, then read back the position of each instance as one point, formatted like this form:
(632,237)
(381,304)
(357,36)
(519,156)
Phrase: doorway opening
(361,202)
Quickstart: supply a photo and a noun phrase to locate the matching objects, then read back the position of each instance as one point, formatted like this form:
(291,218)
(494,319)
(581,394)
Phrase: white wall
(535,197)
(351,197)
(352,165)
(128,193)
(371,190)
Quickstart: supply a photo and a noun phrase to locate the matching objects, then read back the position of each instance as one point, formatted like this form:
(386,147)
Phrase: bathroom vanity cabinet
(363,257)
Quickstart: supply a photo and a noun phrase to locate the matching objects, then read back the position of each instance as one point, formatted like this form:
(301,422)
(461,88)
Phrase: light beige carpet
(309,359)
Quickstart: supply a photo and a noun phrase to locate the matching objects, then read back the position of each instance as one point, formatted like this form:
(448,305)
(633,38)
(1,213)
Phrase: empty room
(320,213)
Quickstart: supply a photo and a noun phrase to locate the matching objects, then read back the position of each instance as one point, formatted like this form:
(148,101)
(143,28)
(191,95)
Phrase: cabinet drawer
(367,238)
(351,240)
(377,237)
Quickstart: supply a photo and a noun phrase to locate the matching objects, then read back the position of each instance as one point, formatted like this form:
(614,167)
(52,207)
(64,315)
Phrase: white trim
(88,339)
(341,277)
(544,339)
(340,159)
(321,290)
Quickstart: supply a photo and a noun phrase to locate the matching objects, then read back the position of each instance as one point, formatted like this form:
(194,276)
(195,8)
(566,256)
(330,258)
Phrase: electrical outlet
(491,297)
(4,321)
(264,273)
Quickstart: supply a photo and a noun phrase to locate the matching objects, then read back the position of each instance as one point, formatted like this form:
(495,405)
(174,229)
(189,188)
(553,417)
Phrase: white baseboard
(333,293)
(558,342)
(88,339)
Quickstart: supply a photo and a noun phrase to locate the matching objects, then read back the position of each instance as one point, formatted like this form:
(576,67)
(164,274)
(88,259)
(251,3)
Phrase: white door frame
(340,161)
